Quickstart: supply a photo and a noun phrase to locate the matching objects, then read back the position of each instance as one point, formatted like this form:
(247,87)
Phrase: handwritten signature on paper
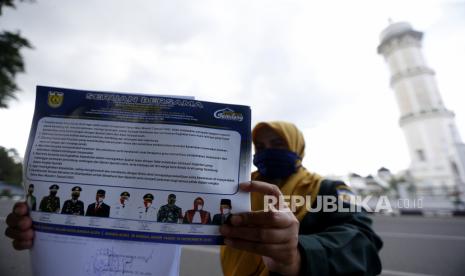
(107,261)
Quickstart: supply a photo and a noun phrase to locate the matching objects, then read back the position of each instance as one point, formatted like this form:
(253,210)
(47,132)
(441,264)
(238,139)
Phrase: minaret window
(421,155)
(455,169)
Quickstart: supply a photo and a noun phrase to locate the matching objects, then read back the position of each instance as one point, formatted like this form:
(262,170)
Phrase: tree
(11,60)
(6,3)
(11,169)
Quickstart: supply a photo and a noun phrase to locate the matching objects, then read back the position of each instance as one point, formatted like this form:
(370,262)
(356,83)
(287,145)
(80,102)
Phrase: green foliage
(6,3)
(9,3)
(11,63)
(11,168)
(11,60)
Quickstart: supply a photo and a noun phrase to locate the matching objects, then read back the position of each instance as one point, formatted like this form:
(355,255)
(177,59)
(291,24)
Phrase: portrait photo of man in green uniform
(170,212)
(51,203)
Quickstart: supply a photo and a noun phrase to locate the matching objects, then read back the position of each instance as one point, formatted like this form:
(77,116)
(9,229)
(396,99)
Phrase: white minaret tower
(436,150)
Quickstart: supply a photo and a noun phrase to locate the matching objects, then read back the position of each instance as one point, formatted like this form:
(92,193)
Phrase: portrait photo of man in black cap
(225,212)
(98,208)
(30,198)
(51,203)
(122,208)
(147,211)
(170,212)
(74,206)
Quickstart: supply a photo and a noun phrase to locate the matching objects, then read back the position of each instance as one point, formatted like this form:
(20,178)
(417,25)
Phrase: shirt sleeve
(337,242)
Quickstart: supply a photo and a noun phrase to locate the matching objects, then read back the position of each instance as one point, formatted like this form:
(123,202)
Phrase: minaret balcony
(425,114)
(411,72)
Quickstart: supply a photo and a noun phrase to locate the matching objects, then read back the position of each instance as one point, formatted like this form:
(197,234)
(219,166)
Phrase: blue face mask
(276,163)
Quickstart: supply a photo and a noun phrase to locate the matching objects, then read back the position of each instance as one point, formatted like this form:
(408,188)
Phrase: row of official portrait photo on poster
(123,208)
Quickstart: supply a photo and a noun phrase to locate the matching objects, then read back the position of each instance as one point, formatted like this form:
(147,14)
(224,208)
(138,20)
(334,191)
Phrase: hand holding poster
(136,167)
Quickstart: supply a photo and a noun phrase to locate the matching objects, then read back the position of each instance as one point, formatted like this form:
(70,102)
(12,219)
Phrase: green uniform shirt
(50,204)
(338,243)
(169,213)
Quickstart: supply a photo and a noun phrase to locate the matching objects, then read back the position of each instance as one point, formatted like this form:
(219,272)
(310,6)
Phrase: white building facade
(436,150)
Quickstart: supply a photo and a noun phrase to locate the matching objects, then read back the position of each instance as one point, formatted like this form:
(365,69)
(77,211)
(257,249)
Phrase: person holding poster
(296,242)
(183,146)
(258,242)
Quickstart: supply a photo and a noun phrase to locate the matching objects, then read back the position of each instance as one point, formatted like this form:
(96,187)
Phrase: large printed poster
(136,167)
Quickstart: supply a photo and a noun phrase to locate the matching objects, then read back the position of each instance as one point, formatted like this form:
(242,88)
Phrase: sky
(313,63)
